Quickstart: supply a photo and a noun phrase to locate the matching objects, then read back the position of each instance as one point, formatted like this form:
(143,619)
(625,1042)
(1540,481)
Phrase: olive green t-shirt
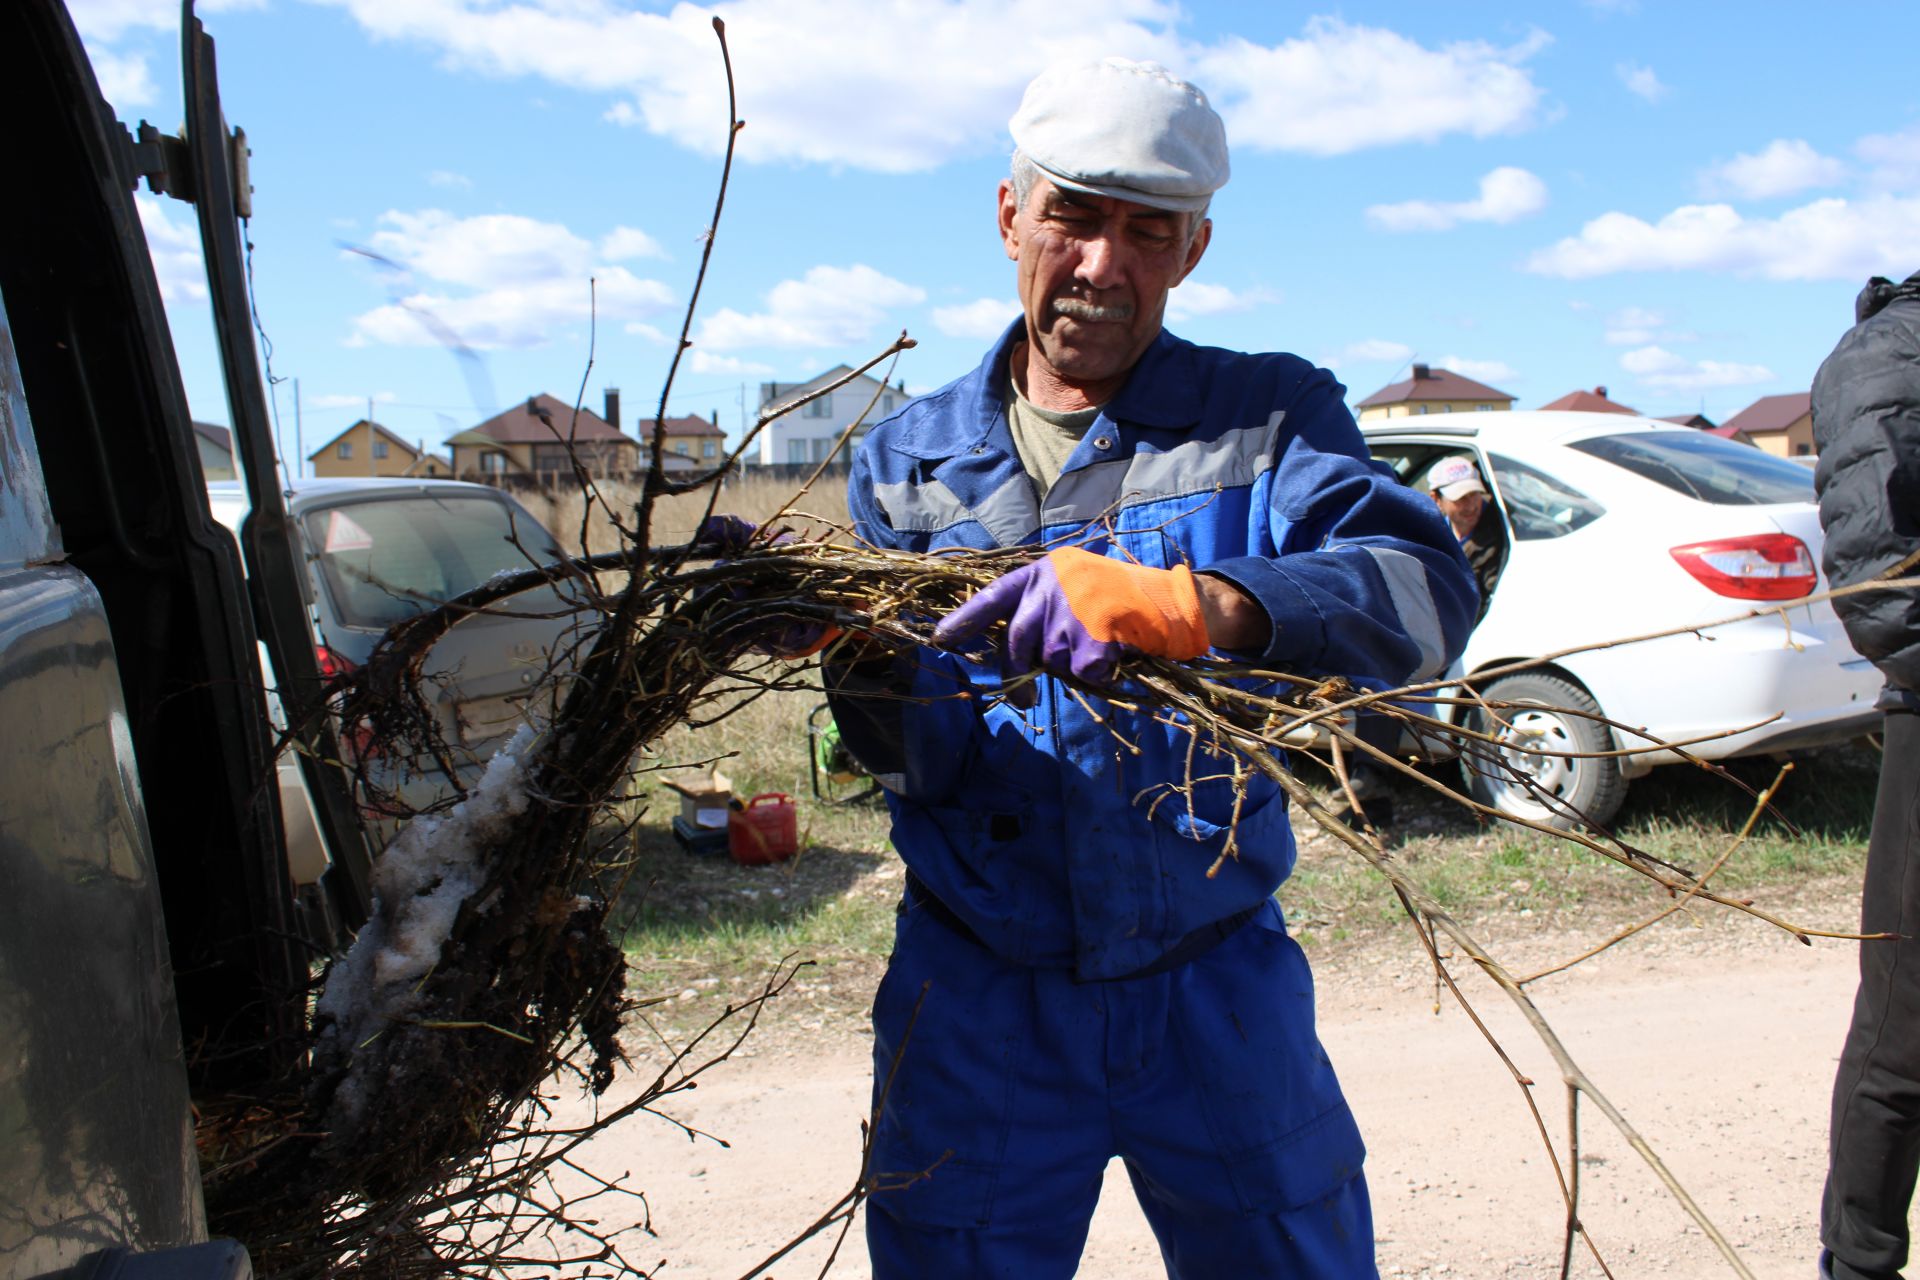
(1045,438)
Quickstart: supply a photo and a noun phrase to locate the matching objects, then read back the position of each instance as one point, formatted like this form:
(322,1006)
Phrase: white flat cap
(1131,130)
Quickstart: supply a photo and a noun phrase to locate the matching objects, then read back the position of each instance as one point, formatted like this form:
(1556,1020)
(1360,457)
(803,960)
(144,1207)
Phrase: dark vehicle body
(150,942)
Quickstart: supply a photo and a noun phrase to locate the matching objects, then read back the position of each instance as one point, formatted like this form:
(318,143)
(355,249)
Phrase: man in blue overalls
(1090,989)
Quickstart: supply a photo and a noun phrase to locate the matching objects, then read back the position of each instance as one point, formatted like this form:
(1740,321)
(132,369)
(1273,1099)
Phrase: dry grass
(752,495)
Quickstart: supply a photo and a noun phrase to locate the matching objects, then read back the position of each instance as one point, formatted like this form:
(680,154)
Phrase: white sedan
(1621,527)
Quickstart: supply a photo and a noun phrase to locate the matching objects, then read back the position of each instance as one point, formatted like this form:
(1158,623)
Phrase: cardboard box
(704,800)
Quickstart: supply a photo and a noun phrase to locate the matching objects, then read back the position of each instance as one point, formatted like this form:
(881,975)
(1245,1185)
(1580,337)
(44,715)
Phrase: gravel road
(1717,1039)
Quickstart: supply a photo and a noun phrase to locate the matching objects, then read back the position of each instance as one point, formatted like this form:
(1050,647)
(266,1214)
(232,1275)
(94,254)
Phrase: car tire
(1553,715)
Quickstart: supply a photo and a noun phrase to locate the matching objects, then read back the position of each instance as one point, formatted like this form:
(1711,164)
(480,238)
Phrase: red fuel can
(765,830)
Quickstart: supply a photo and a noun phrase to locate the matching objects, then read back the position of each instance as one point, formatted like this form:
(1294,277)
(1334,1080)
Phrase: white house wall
(801,436)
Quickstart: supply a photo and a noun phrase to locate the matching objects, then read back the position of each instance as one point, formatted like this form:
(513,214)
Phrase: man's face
(1094,272)
(1463,511)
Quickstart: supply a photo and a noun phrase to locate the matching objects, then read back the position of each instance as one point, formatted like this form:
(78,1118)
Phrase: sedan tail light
(1765,566)
(332,665)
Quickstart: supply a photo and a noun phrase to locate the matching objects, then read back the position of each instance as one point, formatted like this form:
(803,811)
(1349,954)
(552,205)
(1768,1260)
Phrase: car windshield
(387,559)
(1539,506)
(1706,468)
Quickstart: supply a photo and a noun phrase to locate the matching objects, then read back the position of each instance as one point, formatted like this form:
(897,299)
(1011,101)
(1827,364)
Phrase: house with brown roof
(368,449)
(693,437)
(1594,401)
(1432,390)
(1782,425)
(541,437)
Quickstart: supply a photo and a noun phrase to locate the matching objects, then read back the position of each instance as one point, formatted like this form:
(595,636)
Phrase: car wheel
(1542,769)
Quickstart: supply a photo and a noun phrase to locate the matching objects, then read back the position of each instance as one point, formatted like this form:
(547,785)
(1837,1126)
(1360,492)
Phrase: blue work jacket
(1068,833)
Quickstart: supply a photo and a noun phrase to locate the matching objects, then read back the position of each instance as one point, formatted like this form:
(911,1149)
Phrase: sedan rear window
(1706,468)
(388,559)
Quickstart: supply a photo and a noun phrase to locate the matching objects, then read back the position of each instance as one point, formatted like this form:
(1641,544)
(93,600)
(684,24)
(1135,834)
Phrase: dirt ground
(1716,1038)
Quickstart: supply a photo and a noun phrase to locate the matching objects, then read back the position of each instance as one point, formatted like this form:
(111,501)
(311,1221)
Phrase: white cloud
(449,179)
(175,250)
(707,362)
(828,307)
(1830,239)
(1197,299)
(484,251)
(1633,327)
(1377,349)
(111,19)
(1784,167)
(1641,82)
(526,279)
(1506,194)
(1480,370)
(1895,158)
(810,77)
(124,79)
(518,316)
(984,318)
(1341,87)
(1664,371)
(625,243)
(640,329)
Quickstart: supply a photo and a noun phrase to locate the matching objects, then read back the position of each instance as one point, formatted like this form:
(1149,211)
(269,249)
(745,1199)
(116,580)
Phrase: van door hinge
(166,162)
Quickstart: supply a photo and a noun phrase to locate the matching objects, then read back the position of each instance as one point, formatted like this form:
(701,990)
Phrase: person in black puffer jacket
(1866,424)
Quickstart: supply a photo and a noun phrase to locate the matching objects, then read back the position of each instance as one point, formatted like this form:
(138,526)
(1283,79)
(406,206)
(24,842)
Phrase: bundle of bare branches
(489,967)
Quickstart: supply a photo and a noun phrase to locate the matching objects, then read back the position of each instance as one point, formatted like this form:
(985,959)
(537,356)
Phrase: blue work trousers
(1003,1092)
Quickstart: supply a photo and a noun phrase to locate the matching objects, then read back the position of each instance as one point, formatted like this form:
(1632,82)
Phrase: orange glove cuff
(1153,610)
(827,636)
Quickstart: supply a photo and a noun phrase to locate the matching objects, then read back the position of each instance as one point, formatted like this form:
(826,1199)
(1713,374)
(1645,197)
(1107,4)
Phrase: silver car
(382,550)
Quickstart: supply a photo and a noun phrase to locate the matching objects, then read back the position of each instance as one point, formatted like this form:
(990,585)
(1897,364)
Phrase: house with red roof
(1432,390)
(1594,401)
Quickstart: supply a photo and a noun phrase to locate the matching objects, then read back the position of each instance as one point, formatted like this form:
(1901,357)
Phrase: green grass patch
(704,924)
(1682,815)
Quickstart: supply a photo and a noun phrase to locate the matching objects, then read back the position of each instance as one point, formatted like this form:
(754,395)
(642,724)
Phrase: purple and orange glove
(1074,612)
(731,535)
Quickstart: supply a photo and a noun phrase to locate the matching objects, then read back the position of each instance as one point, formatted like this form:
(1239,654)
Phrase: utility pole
(299,440)
(370,466)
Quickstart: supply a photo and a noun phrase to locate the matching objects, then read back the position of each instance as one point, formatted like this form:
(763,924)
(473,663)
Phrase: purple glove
(732,535)
(1042,630)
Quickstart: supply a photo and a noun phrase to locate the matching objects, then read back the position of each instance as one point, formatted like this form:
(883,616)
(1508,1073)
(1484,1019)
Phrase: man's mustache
(1081,309)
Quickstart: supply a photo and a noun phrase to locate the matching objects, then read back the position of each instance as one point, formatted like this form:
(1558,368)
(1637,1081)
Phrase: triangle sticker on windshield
(345,535)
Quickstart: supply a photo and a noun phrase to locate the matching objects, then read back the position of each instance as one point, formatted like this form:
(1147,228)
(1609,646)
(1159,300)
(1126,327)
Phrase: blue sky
(1677,201)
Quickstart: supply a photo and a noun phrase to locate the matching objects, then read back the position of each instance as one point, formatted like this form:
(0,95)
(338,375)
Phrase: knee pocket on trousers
(1271,1103)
